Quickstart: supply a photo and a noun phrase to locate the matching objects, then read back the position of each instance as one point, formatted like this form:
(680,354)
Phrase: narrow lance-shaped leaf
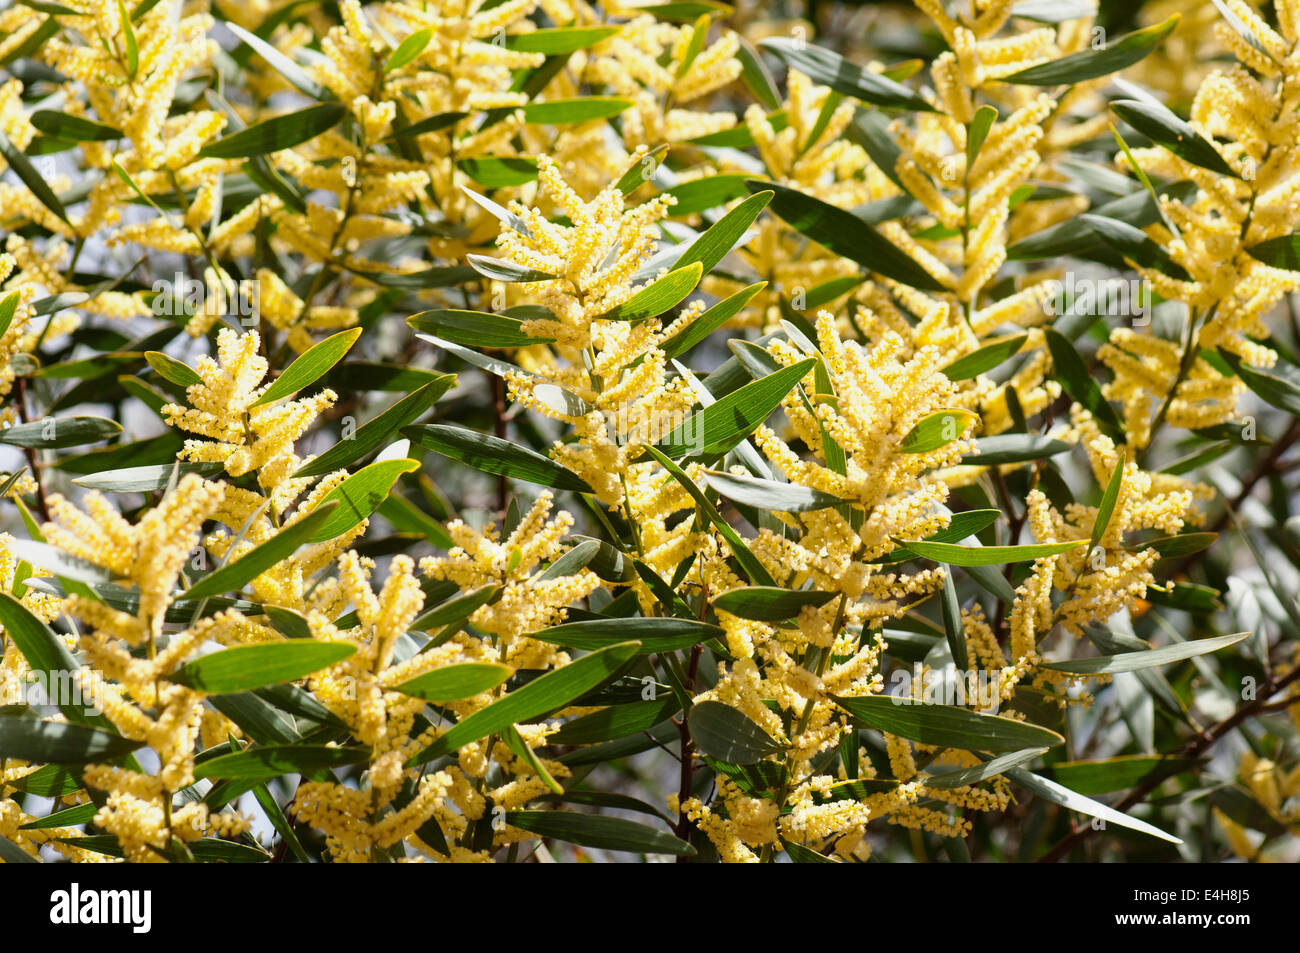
(831,69)
(281,132)
(600,832)
(946,725)
(656,298)
(246,667)
(310,366)
(728,734)
(538,698)
(847,235)
(1058,794)
(1093,63)
(1134,661)
(954,555)
(375,433)
(985,359)
(717,428)
(936,430)
(454,682)
(1160,125)
(720,237)
(262,764)
(234,576)
(494,455)
(769,604)
(48,742)
(25,171)
(748,561)
(360,495)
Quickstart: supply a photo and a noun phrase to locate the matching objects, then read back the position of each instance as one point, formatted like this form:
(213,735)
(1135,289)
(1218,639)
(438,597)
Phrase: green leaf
(520,748)
(729,735)
(700,195)
(846,235)
(1278,391)
(1117,774)
(408,49)
(1160,125)
(533,701)
(280,132)
(653,634)
(132,44)
(977,132)
(22,167)
(1281,252)
(1173,547)
(936,430)
(48,742)
(309,366)
(246,667)
(769,603)
(658,296)
(494,455)
(755,75)
(8,307)
(54,432)
(286,67)
(616,721)
(748,561)
(712,319)
(360,495)
(234,576)
(263,764)
(168,368)
(719,427)
(60,563)
(1133,661)
(1058,794)
(642,169)
(11,853)
(714,245)
(455,609)
(562,111)
(799,854)
(375,433)
(1106,508)
(600,832)
(985,359)
(1091,64)
(1013,448)
(553,42)
(74,128)
(830,69)
(455,682)
(769,494)
(1132,243)
(499,172)
(1075,237)
(946,726)
(81,814)
(1080,385)
(953,627)
(982,772)
(954,555)
(500,270)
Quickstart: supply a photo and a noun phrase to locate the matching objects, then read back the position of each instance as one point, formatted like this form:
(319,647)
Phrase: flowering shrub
(504,431)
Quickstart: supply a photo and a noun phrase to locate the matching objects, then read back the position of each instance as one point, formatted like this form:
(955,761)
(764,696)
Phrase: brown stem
(1192,749)
(20,385)
(688,756)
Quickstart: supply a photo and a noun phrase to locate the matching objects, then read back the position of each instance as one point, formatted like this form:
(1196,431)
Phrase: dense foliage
(479,430)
